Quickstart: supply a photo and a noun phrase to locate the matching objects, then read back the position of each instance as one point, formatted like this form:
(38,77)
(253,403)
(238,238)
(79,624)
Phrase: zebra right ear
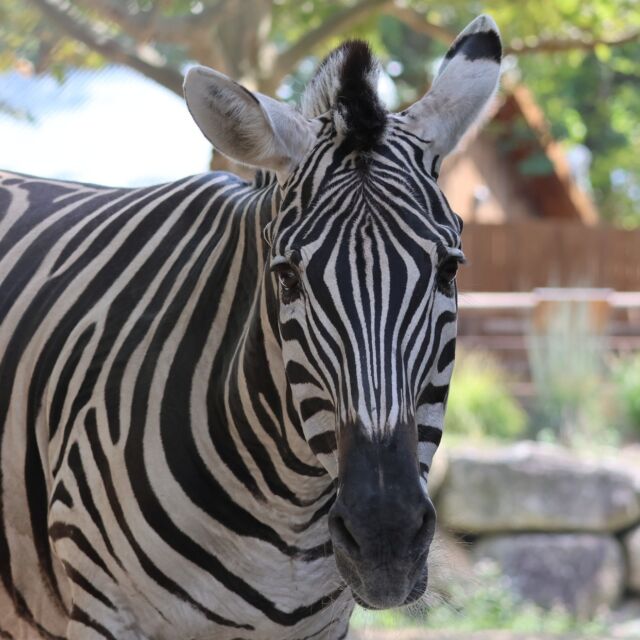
(250,128)
(467,80)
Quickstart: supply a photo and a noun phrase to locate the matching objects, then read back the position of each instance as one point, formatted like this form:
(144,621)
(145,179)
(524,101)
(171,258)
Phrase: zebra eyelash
(292,259)
(278,262)
(457,254)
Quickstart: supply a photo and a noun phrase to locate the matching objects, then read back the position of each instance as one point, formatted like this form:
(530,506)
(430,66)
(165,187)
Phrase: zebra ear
(467,80)
(250,128)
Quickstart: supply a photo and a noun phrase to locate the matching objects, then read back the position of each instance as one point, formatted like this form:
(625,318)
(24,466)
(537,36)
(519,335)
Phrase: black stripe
(61,494)
(62,386)
(478,46)
(146,563)
(75,576)
(434,166)
(297,374)
(37,503)
(434,394)
(81,616)
(25,613)
(61,530)
(447,355)
(86,497)
(318,515)
(429,434)
(323,443)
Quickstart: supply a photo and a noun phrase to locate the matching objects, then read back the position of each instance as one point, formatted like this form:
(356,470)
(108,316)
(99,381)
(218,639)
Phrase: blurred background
(537,481)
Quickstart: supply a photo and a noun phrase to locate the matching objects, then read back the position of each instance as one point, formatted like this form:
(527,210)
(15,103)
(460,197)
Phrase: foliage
(480,403)
(579,57)
(592,98)
(488,604)
(626,375)
(569,374)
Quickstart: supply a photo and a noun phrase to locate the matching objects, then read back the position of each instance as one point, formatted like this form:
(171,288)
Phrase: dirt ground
(421,634)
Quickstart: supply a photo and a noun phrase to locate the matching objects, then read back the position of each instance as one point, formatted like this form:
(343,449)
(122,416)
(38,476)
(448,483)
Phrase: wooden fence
(520,256)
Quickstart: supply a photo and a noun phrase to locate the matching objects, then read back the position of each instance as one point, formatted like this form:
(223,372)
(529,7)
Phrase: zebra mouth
(367,593)
(416,593)
(419,588)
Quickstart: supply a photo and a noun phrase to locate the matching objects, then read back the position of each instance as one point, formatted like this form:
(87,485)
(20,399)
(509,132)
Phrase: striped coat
(203,382)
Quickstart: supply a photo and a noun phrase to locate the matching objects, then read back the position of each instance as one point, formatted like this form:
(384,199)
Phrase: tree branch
(419,23)
(109,47)
(337,23)
(553,45)
(151,26)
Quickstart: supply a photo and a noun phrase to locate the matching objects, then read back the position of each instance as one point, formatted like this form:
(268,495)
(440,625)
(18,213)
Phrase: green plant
(480,403)
(572,401)
(626,376)
(488,604)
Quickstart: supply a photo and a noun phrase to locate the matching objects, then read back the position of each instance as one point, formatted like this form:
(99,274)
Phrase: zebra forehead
(345,84)
(375,248)
(370,204)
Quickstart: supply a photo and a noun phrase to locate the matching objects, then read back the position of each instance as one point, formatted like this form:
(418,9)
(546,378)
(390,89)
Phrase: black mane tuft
(358,102)
(346,83)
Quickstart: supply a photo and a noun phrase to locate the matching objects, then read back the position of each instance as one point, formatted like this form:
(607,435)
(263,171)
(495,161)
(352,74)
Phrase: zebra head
(361,278)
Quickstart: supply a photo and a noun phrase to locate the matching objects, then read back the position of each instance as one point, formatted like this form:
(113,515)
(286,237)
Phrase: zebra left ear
(248,127)
(467,80)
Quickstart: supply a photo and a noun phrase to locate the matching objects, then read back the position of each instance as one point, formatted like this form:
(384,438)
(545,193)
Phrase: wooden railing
(501,322)
(520,256)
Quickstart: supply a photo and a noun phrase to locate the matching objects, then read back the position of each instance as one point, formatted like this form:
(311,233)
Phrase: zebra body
(123,306)
(190,403)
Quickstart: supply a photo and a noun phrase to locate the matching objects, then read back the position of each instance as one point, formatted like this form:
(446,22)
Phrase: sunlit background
(111,126)
(537,482)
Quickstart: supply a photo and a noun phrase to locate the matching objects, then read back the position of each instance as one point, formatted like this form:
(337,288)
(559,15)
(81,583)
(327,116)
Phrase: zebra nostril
(341,535)
(426,530)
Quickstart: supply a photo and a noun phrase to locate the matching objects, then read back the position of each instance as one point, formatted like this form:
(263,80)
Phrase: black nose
(382,521)
(385,526)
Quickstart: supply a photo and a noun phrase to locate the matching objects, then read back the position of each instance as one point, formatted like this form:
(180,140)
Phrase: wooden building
(513,169)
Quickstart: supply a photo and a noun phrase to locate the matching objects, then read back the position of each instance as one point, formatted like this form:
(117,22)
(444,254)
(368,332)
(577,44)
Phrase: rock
(624,621)
(628,631)
(581,572)
(632,544)
(629,458)
(535,487)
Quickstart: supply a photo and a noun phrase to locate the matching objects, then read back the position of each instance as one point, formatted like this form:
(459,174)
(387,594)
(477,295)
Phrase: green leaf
(537,164)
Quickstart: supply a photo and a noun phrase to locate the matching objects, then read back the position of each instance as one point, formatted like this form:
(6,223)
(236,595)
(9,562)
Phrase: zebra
(220,399)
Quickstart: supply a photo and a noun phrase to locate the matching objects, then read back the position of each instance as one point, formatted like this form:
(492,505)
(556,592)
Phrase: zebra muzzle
(381,523)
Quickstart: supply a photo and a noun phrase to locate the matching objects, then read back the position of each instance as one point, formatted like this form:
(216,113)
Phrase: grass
(488,605)
(480,403)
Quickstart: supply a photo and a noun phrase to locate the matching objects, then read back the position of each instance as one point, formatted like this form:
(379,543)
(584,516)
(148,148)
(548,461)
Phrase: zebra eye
(446,275)
(287,277)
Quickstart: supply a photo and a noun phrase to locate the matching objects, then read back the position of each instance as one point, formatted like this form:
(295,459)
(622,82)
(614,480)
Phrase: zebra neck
(249,407)
(290,480)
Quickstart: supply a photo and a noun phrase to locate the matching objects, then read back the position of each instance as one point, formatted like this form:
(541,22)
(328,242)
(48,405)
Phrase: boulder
(624,621)
(632,544)
(583,573)
(535,487)
(628,457)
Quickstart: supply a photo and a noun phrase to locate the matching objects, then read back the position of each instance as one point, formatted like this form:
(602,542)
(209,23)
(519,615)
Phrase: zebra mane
(345,83)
